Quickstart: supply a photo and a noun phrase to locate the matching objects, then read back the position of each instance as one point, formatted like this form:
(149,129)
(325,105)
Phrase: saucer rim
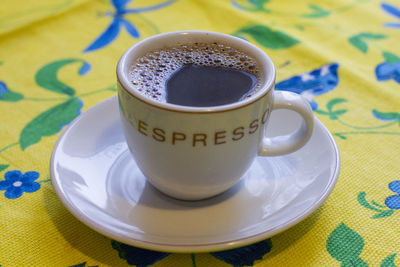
(185,248)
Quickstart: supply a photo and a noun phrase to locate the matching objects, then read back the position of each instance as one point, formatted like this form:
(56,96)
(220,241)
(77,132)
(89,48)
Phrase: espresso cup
(192,153)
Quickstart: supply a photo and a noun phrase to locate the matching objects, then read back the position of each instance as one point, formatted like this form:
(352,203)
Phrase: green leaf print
(3,167)
(252,5)
(8,95)
(386,115)
(358,43)
(389,261)
(47,78)
(381,210)
(390,57)
(377,204)
(333,114)
(317,12)
(118,246)
(49,122)
(372,36)
(359,40)
(334,102)
(392,118)
(341,136)
(363,201)
(354,263)
(11,96)
(266,37)
(383,214)
(346,245)
(258,3)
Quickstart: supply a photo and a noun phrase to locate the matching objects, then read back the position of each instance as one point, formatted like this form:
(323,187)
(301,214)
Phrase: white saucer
(98,181)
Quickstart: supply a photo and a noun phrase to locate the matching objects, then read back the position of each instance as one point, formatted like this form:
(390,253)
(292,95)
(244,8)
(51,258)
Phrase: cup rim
(269,72)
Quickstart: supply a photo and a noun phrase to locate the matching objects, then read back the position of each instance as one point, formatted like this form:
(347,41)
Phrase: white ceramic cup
(193,153)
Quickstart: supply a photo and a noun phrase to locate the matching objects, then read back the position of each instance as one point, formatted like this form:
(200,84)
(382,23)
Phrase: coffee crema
(197,74)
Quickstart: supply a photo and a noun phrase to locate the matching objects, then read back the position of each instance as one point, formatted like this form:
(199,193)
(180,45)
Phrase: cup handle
(285,144)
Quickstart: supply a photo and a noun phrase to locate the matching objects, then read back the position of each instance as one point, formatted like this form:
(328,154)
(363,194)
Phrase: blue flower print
(16,183)
(394,11)
(313,83)
(3,88)
(387,71)
(242,256)
(137,256)
(390,69)
(118,20)
(393,202)
(245,256)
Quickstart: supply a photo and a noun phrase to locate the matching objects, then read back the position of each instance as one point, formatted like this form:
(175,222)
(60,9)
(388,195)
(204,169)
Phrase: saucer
(98,181)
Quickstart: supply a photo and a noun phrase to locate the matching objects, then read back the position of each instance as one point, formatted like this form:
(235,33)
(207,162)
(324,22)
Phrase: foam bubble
(154,68)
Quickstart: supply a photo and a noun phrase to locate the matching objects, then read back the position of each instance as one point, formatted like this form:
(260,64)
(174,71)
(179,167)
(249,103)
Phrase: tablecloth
(58,58)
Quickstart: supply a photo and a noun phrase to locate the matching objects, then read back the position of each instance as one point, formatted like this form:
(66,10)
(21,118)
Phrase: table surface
(58,58)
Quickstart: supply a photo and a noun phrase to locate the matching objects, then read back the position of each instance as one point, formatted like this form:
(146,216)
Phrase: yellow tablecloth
(58,58)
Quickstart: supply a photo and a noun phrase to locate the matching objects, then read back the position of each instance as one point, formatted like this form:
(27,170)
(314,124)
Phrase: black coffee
(199,75)
(202,86)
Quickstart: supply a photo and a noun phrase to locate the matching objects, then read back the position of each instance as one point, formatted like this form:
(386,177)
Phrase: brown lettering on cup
(253,126)
(158,134)
(218,137)
(238,133)
(199,137)
(178,137)
(265,116)
(142,127)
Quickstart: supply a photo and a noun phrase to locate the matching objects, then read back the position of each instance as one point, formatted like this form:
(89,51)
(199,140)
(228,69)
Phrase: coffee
(198,74)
